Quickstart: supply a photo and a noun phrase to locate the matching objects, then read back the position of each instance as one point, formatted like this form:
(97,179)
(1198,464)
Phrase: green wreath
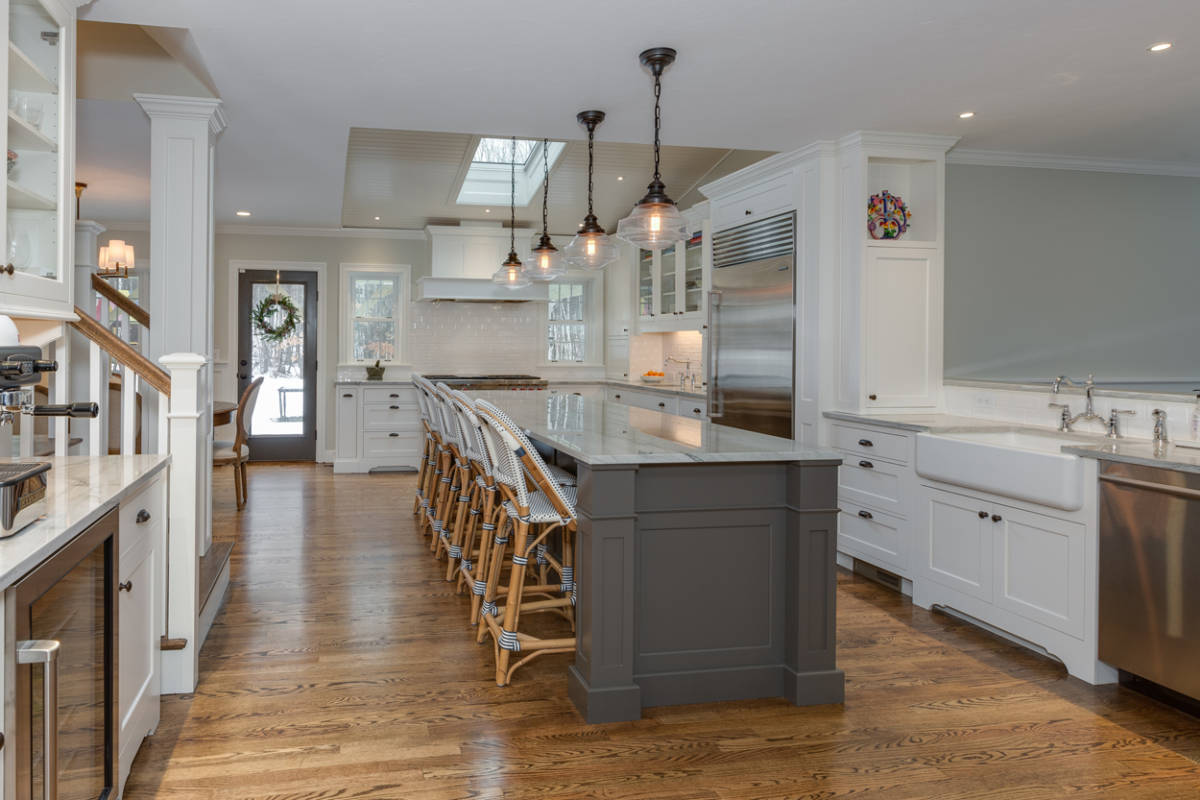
(265,312)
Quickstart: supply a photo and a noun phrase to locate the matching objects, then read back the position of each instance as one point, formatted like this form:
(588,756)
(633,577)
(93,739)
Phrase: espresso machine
(23,485)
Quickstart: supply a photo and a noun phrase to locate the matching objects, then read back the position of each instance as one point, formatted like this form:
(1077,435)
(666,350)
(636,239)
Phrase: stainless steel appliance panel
(1149,614)
(751,328)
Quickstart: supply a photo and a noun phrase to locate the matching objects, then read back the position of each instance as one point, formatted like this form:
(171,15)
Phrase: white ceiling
(410,179)
(1068,76)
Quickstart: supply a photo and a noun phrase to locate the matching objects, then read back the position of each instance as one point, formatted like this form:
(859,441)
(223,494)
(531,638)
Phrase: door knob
(242,363)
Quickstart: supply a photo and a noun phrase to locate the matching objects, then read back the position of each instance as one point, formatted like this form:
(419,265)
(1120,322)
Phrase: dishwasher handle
(45,652)
(1150,486)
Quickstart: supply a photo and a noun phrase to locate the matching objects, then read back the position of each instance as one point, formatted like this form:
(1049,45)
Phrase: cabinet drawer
(875,536)
(873,483)
(390,394)
(693,407)
(871,442)
(390,416)
(403,445)
(142,514)
(773,196)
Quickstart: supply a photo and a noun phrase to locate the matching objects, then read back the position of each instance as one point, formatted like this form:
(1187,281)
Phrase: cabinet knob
(662,405)
(872,397)
(617,396)
(749,212)
(8,268)
(996,518)
(142,517)
(127,586)
(696,411)
(983,515)
(865,443)
(866,515)
(866,465)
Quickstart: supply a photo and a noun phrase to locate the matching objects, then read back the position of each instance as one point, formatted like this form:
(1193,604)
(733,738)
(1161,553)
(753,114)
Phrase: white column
(78,384)
(183,131)
(187,509)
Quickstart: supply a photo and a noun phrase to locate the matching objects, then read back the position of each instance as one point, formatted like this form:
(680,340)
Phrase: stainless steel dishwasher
(1150,574)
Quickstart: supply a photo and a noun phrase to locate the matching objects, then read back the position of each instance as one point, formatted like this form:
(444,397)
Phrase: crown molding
(767,168)
(1001,158)
(169,106)
(233,228)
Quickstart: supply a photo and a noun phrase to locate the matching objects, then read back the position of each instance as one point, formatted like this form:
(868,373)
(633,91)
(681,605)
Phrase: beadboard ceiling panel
(410,179)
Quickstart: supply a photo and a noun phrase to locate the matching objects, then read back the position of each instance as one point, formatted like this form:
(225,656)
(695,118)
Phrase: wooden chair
(237,452)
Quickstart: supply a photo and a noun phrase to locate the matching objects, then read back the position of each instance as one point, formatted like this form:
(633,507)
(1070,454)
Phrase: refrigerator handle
(714,297)
(45,652)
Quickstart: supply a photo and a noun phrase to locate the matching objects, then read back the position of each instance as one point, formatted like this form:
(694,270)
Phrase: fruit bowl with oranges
(651,376)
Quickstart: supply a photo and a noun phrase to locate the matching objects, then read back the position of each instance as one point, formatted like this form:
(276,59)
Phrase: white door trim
(320,451)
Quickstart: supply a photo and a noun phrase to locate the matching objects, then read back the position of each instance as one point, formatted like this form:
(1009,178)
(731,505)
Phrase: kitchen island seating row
(683,561)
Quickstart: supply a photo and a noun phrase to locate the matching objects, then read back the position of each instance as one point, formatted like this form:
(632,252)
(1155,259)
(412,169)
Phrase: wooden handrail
(106,290)
(121,352)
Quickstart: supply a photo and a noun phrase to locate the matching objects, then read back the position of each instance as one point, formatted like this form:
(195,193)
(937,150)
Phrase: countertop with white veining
(79,490)
(1143,452)
(597,431)
(919,423)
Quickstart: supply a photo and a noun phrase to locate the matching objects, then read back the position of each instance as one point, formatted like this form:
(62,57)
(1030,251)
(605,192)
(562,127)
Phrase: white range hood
(464,257)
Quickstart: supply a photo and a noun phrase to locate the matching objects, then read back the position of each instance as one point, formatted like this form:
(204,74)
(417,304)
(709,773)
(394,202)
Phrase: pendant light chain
(545,185)
(591,142)
(512,199)
(657,119)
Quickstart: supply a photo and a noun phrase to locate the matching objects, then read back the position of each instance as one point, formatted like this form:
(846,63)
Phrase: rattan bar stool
(439,452)
(476,497)
(455,472)
(532,517)
(429,451)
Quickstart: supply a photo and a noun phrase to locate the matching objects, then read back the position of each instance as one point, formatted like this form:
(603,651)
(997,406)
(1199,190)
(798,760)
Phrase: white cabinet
(378,427)
(36,275)
(672,284)
(472,251)
(684,404)
(902,316)
(140,617)
(616,357)
(774,195)
(1026,571)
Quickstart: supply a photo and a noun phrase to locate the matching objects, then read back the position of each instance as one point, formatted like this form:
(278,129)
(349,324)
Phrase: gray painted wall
(1054,271)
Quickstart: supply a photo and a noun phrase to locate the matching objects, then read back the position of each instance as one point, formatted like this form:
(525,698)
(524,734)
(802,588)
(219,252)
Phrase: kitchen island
(705,560)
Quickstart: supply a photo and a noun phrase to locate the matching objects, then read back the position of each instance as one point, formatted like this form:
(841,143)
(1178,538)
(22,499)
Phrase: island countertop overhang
(600,432)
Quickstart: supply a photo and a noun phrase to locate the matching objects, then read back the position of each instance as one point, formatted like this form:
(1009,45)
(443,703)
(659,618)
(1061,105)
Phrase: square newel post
(188,512)
(183,131)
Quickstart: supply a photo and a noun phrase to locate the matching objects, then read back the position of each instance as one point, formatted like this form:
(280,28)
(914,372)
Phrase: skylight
(500,151)
(486,182)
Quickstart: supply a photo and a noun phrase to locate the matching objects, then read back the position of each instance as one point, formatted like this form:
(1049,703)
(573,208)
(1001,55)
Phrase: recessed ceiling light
(243,213)
(377,219)
(966,115)
(487,211)
(1158,47)
(620,177)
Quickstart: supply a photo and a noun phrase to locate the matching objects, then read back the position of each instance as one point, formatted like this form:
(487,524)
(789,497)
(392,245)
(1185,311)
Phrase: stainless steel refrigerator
(751,338)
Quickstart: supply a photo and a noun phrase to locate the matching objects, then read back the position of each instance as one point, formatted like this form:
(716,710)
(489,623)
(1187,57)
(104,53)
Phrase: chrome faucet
(1089,411)
(1160,427)
(687,373)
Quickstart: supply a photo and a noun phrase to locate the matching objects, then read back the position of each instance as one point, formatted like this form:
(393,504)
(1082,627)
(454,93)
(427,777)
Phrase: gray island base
(705,559)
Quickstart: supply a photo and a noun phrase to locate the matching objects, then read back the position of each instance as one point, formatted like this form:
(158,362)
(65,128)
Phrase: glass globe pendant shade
(653,225)
(545,262)
(511,273)
(591,248)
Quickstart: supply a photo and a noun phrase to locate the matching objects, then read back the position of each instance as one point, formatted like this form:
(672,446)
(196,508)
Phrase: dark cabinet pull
(347,395)
(866,465)
(394,408)
(142,517)
(8,268)
(996,518)
(617,396)
(983,515)
(394,396)
(866,515)
(865,443)
(393,435)
(662,405)
(749,212)
(696,411)
(872,397)
(127,586)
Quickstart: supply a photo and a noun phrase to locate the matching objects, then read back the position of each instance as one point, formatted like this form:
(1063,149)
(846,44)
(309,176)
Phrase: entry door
(283,425)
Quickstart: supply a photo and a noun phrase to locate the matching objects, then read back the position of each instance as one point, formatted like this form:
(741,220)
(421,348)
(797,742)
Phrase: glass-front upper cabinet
(673,283)
(39,217)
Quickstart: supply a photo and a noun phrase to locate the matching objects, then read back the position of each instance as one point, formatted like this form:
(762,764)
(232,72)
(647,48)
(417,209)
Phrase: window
(487,181)
(374,302)
(573,321)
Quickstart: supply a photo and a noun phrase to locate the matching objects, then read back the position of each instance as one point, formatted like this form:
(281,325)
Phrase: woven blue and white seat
(456,478)
(533,517)
(428,449)
(435,452)
(478,492)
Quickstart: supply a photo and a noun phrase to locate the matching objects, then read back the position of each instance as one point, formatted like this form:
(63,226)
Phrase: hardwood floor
(342,667)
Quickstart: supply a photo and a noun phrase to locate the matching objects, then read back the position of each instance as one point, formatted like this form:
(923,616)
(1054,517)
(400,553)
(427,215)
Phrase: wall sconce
(115,260)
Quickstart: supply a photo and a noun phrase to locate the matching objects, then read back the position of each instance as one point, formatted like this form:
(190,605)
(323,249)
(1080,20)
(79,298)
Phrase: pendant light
(655,222)
(591,248)
(510,273)
(546,262)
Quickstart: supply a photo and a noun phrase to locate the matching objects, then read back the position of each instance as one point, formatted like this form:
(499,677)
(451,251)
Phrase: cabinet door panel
(874,536)
(137,687)
(901,318)
(347,423)
(958,543)
(1039,568)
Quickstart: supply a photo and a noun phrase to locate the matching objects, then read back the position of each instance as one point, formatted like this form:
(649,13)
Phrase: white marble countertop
(920,423)
(1143,452)
(79,490)
(596,431)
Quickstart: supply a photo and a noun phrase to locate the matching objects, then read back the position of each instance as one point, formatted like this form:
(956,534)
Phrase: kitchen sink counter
(666,388)
(704,560)
(79,490)
(1142,452)
(920,423)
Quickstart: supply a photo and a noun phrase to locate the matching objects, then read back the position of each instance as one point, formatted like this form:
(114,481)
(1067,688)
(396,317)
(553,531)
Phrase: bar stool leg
(467,500)
(495,567)
(487,527)
(506,638)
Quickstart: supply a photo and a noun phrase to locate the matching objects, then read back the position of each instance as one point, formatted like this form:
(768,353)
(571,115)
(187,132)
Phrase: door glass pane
(693,276)
(279,410)
(72,612)
(31,244)
(645,283)
(666,291)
